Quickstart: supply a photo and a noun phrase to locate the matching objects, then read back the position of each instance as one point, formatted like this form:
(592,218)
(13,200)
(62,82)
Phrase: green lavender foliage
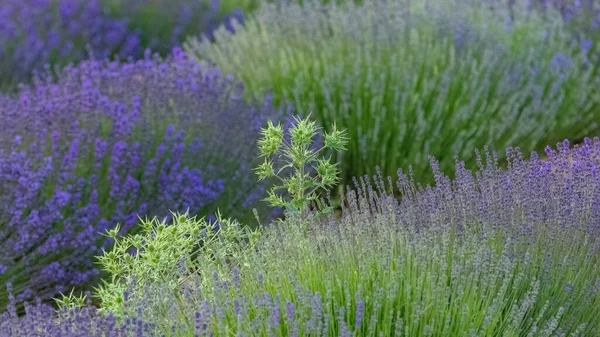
(309,171)
(408,81)
(433,283)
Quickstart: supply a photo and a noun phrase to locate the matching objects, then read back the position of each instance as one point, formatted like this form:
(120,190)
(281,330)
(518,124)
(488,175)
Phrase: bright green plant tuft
(165,258)
(71,301)
(299,155)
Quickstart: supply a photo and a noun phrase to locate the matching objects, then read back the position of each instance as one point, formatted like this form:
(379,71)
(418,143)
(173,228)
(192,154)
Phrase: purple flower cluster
(37,34)
(559,193)
(43,320)
(34,33)
(163,24)
(109,142)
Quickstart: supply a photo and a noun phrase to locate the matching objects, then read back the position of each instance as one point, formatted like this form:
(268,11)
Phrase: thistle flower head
(303,132)
(336,139)
(272,138)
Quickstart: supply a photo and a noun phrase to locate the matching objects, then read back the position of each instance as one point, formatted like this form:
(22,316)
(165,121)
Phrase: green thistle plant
(297,155)
(166,257)
(71,301)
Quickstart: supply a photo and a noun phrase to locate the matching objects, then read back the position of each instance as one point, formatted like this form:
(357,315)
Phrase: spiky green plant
(310,172)
(165,258)
(408,81)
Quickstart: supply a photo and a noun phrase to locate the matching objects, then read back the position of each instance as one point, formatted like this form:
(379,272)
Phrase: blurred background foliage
(409,79)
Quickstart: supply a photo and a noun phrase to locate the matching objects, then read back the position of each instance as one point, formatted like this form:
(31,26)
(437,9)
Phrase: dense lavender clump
(417,78)
(35,34)
(110,142)
(163,24)
(495,252)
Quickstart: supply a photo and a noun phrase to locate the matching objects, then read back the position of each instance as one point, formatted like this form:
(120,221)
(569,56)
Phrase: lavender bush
(164,24)
(497,252)
(416,78)
(34,33)
(110,142)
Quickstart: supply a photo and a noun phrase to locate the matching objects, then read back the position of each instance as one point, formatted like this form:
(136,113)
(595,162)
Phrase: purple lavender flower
(586,45)
(360,306)
(109,142)
(289,310)
(235,277)
(163,24)
(34,33)
(236,307)
(275,316)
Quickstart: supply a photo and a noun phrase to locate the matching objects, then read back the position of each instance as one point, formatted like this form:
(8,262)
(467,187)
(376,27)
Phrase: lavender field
(300,168)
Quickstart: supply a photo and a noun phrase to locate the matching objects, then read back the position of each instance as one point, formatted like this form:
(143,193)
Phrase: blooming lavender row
(491,252)
(481,254)
(109,142)
(35,34)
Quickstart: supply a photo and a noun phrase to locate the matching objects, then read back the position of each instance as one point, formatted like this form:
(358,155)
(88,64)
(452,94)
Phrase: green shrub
(164,258)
